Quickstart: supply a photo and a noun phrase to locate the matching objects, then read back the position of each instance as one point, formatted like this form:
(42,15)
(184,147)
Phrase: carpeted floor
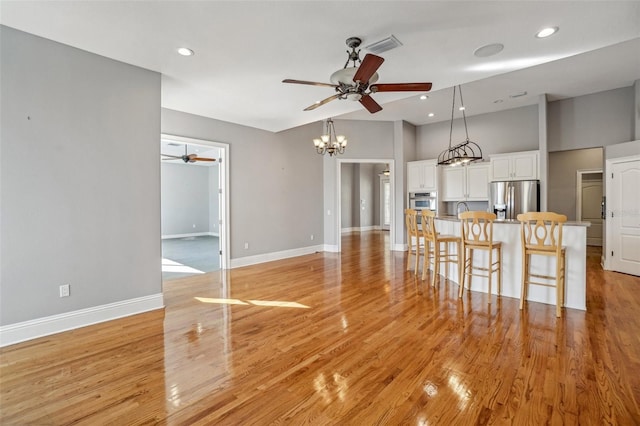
(182,257)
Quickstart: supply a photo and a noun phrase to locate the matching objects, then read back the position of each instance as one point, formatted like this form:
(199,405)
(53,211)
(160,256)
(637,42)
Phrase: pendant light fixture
(329,142)
(464,152)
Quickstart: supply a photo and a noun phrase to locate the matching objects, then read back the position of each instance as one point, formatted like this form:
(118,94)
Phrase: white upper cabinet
(469,183)
(421,176)
(515,166)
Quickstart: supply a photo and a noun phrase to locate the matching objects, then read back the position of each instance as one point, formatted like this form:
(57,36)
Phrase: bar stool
(411,220)
(541,234)
(477,234)
(436,248)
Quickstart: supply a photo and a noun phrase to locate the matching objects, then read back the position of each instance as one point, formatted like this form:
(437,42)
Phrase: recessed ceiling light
(185,51)
(423,97)
(431,114)
(546,32)
(488,50)
(461,109)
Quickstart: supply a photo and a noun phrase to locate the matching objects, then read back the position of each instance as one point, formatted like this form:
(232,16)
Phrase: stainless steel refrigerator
(510,198)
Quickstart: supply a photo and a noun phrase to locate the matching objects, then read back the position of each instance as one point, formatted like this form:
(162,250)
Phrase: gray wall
(590,121)
(563,167)
(504,131)
(275,182)
(80,178)
(185,199)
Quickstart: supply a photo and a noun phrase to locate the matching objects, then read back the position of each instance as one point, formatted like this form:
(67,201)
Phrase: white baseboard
(400,247)
(27,330)
(330,248)
(360,229)
(268,257)
(195,234)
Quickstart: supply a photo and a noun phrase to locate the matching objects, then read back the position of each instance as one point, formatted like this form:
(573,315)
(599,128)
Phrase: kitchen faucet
(464,204)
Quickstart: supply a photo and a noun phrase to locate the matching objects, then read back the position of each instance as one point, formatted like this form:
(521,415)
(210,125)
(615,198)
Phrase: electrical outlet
(65,290)
(311,237)
(246,246)
(194,226)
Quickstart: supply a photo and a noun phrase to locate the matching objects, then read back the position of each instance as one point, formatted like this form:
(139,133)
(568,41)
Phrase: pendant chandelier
(464,152)
(329,142)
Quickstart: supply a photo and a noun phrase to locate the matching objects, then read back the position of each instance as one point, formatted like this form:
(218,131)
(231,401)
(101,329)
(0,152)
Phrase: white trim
(331,248)
(360,229)
(268,257)
(225,229)
(27,330)
(400,247)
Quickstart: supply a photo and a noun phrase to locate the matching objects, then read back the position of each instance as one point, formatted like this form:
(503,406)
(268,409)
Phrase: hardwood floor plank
(337,339)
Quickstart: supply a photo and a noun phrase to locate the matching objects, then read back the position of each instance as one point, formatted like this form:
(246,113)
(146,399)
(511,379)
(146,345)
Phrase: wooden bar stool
(411,220)
(541,234)
(436,248)
(477,234)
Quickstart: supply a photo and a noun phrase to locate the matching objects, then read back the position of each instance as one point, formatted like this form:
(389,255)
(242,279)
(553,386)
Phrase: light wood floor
(349,339)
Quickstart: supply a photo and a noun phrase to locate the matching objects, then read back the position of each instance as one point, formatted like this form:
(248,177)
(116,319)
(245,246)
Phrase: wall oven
(423,201)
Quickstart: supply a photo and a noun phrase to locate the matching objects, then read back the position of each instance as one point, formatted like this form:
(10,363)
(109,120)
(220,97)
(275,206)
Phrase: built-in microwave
(423,200)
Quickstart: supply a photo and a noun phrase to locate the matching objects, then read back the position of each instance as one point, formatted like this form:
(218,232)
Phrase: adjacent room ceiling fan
(187,158)
(357,83)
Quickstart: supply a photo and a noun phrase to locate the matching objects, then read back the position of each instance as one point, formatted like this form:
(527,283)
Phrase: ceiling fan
(187,158)
(357,83)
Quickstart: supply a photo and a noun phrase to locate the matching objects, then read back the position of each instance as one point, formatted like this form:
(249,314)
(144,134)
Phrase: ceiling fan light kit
(358,82)
(329,142)
(464,152)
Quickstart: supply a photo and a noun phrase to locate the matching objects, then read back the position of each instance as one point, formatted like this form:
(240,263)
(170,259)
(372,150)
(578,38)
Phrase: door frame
(579,175)
(381,181)
(608,190)
(224,186)
(338,215)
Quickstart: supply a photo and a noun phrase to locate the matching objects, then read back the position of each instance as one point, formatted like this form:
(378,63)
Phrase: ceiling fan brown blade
(310,83)
(371,105)
(322,102)
(204,159)
(401,87)
(369,66)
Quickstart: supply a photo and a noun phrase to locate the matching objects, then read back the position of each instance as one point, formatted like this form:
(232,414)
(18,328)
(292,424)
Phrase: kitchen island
(574,238)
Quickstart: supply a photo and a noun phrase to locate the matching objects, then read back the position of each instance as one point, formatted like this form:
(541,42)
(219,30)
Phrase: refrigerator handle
(512,201)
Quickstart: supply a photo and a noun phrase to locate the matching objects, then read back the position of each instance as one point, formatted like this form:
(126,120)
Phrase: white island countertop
(574,238)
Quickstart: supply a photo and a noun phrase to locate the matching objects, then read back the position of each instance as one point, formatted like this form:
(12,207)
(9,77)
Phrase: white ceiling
(244,49)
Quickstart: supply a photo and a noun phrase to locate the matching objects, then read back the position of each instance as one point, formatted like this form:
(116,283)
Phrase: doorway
(589,201)
(194,206)
(348,205)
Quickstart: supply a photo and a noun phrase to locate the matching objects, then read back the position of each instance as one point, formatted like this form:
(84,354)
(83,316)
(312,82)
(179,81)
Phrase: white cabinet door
(413,177)
(453,183)
(477,181)
(500,168)
(524,167)
(516,166)
(421,176)
(429,173)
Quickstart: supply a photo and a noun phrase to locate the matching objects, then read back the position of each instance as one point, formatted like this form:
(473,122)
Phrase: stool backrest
(428,225)
(477,227)
(411,220)
(541,230)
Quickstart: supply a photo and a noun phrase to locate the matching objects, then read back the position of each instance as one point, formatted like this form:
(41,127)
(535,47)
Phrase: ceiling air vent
(383,45)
